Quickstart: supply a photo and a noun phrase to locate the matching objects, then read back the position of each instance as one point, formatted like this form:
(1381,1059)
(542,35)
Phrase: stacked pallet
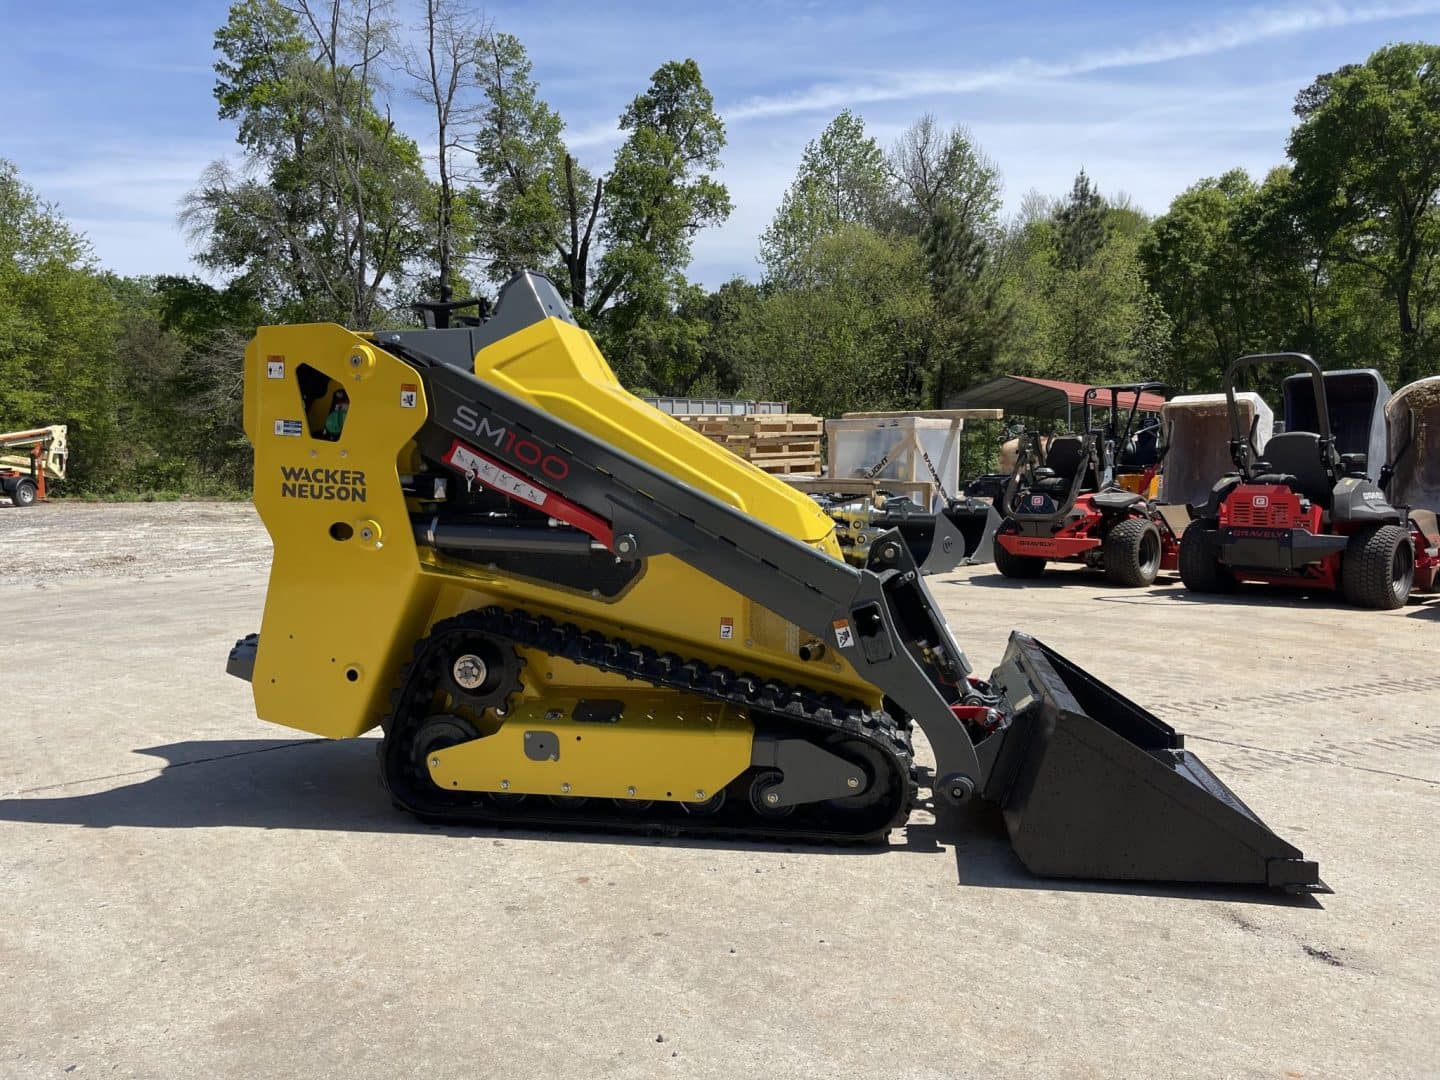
(783,444)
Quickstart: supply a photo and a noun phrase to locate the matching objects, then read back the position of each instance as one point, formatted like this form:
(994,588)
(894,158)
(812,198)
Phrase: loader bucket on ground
(1093,786)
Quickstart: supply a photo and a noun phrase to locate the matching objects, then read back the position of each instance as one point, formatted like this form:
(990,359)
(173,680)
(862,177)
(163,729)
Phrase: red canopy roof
(1025,395)
(1075,392)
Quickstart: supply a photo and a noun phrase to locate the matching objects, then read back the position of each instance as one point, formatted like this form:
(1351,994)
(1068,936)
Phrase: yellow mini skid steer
(566,609)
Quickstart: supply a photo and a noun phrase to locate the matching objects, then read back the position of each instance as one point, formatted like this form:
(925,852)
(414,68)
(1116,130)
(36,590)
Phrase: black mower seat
(1065,455)
(1297,454)
(1116,500)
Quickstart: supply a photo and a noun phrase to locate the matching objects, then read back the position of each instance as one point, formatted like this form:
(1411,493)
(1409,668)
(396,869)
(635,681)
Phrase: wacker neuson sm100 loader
(566,609)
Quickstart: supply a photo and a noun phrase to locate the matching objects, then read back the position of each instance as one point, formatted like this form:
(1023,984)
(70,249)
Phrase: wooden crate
(782,444)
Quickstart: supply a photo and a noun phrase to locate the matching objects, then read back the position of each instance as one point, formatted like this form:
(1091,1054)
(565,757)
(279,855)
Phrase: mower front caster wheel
(1017,566)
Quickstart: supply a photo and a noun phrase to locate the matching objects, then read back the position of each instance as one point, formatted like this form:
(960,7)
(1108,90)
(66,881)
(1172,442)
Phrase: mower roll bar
(1241,452)
(1115,391)
(1120,437)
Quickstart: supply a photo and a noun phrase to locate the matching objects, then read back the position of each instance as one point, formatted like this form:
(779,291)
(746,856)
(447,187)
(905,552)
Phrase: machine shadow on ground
(323,785)
(1253,595)
(1428,608)
(311,784)
(1052,579)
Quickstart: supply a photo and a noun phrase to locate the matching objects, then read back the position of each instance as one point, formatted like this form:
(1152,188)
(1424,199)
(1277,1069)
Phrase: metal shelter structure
(1025,395)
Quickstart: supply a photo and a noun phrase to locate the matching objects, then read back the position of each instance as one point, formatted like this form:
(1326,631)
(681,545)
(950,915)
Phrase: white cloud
(1038,116)
(121,177)
(1250,28)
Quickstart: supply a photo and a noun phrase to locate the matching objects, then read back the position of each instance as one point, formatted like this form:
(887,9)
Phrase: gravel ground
(186,891)
(68,540)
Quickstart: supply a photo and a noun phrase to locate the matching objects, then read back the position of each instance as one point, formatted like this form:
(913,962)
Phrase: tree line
(887,278)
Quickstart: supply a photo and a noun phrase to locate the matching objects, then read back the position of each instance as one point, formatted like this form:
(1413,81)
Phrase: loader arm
(883,620)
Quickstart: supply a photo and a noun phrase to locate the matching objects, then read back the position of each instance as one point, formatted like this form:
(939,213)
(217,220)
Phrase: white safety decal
(275,367)
(844,635)
(293,428)
(408,395)
(499,479)
(727,628)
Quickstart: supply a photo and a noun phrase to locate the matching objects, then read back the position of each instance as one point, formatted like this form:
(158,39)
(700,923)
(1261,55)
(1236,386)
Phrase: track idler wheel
(765,795)
(634,806)
(710,806)
(438,732)
(568,802)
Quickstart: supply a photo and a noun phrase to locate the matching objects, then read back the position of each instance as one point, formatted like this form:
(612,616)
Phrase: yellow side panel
(556,366)
(346,602)
(351,593)
(671,747)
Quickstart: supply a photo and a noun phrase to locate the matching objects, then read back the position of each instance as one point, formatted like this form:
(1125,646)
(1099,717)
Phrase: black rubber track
(871,738)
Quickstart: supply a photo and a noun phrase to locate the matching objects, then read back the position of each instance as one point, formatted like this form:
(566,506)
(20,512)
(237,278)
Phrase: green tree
(948,196)
(936,172)
(1367,173)
(1198,262)
(660,192)
(968,291)
(859,333)
(842,180)
(328,212)
(59,323)
(1081,311)
(617,244)
(538,208)
(724,313)
(442,73)
(1081,220)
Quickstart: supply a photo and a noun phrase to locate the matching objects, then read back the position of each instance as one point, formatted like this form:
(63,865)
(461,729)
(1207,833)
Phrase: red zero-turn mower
(1076,507)
(1308,514)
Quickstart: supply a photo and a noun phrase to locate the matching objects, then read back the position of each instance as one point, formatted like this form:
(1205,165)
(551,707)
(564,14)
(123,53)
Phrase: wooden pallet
(798,466)
(778,443)
(800,425)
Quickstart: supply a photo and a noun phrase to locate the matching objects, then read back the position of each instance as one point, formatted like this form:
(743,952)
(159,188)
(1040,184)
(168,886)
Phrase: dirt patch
(65,541)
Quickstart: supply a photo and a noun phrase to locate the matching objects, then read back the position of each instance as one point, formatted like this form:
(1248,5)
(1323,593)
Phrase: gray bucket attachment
(962,533)
(1093,786)
(976,521)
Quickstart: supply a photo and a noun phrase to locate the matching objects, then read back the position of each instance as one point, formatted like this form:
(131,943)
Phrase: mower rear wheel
(1132,552)
(1200,566)
(1378,568)
(1017,566)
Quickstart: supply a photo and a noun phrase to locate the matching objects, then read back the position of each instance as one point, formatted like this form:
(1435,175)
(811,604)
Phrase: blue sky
(108,108)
